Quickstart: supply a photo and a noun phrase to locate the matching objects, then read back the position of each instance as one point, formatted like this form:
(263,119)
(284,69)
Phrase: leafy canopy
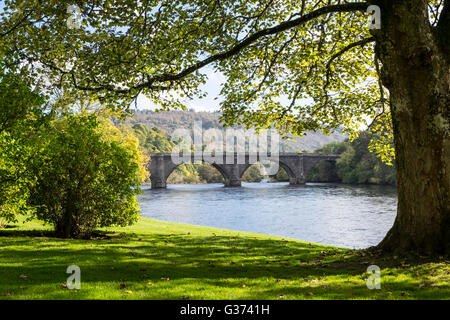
(296,65)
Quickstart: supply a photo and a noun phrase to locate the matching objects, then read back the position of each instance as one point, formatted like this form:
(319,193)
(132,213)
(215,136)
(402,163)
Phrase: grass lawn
(160,260)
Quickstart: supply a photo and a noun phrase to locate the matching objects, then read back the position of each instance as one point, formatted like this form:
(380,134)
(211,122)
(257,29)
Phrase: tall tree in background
(294,64)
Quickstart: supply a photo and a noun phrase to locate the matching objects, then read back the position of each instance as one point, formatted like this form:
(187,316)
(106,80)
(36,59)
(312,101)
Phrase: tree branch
(341,52)
(348,7)
(156,82)
(14,27)
(348,48)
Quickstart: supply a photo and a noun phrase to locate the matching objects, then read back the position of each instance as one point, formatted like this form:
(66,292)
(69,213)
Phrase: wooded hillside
(172,120)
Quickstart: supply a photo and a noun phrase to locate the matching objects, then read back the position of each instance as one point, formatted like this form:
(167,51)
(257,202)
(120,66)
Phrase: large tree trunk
(415,59)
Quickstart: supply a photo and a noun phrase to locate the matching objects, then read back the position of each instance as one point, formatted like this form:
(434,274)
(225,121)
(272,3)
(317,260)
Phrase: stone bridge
(233,166)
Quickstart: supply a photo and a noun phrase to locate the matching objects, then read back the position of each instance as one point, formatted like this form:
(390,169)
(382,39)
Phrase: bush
(324,171)
(209,174)
(87,176)
(282,175)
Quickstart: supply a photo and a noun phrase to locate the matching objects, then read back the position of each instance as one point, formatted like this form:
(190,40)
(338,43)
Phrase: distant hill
(171,120)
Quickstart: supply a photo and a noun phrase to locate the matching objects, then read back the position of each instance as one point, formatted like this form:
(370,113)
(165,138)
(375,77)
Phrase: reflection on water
(334,214)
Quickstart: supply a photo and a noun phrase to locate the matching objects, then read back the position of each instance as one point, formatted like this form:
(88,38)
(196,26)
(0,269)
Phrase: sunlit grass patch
(161,260)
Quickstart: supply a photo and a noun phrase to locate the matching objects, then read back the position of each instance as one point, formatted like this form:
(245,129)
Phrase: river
(334,214)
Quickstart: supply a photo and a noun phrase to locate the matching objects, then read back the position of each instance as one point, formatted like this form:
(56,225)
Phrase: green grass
(160,260)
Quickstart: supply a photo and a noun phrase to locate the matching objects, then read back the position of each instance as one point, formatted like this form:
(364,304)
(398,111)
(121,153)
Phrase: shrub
(87,176)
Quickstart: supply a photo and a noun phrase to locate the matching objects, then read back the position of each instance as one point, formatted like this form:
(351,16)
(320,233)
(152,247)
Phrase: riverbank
(161,260)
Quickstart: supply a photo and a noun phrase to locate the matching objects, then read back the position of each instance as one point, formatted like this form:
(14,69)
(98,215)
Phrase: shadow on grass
(14,231)
(252,268)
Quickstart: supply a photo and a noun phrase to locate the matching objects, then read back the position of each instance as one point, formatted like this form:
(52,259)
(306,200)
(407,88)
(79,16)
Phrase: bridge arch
(161,167)
(281,165)
(218,168)
(160,179)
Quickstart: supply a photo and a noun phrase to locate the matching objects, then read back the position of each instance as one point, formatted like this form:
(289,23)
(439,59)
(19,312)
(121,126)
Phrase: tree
(253,173)
(282,175)
(21,112)
(334,147)
(358,165)
(87,176)
(324,171)
(209,174)
(296,65)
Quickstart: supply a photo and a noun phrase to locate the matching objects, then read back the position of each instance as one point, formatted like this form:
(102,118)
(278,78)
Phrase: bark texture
(416,70)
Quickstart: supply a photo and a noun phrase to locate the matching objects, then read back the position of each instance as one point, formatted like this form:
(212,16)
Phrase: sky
(212,87)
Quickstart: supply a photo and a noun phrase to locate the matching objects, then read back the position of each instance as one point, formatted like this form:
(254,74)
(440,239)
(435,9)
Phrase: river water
(334,214)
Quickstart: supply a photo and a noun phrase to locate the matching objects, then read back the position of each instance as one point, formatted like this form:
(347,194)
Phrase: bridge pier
(161,166)
(233,183)
(158,183)
(293,164)
(297,181)
(232,173)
